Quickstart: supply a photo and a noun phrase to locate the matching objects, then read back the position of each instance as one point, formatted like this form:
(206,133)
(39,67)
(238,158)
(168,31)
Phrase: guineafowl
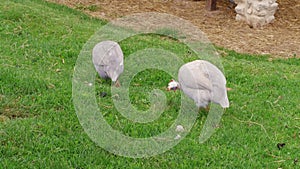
(203,82)
(108,60)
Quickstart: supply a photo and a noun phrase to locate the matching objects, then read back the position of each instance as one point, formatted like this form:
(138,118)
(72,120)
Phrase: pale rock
(179,128)
(256,13)
(177,137)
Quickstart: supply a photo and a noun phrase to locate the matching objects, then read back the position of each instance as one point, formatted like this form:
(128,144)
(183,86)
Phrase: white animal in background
(108,60)
(203,82)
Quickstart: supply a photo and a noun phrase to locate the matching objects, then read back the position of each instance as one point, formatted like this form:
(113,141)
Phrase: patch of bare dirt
(280,38)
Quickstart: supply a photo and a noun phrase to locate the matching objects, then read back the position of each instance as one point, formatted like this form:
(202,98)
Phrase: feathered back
(203,82)
(108,59)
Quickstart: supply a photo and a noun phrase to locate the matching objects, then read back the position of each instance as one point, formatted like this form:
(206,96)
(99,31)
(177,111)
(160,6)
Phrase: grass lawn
(39,128)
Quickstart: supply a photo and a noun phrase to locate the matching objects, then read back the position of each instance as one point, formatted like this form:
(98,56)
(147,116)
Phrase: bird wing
(201,97)
(115,66)
(218,81)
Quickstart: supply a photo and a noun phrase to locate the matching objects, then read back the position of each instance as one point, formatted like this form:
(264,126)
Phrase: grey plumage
(108,60)
(203,82)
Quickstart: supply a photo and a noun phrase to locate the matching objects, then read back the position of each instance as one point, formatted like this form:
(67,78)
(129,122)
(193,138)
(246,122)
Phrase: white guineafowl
(108,60)
(203,82)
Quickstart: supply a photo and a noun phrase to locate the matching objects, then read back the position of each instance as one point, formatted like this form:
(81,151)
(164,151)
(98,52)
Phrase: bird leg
(117,83)
(228,89)
(206,109)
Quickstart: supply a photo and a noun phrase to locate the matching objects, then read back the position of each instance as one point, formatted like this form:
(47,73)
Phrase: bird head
(173,85)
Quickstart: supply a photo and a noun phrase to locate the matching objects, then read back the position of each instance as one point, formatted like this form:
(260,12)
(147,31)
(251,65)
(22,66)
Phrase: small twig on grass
(279,161)
(118,121)
(252,122)
(274,156)
(278,157)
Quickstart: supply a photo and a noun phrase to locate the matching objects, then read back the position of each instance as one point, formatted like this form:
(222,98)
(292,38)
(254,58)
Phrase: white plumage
(204,83)
(108,60)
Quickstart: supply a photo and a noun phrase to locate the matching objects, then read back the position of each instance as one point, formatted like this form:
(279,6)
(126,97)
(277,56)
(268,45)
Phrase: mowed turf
(40,43)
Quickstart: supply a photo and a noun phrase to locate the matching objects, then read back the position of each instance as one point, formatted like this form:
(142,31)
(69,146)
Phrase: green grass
(39,128)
